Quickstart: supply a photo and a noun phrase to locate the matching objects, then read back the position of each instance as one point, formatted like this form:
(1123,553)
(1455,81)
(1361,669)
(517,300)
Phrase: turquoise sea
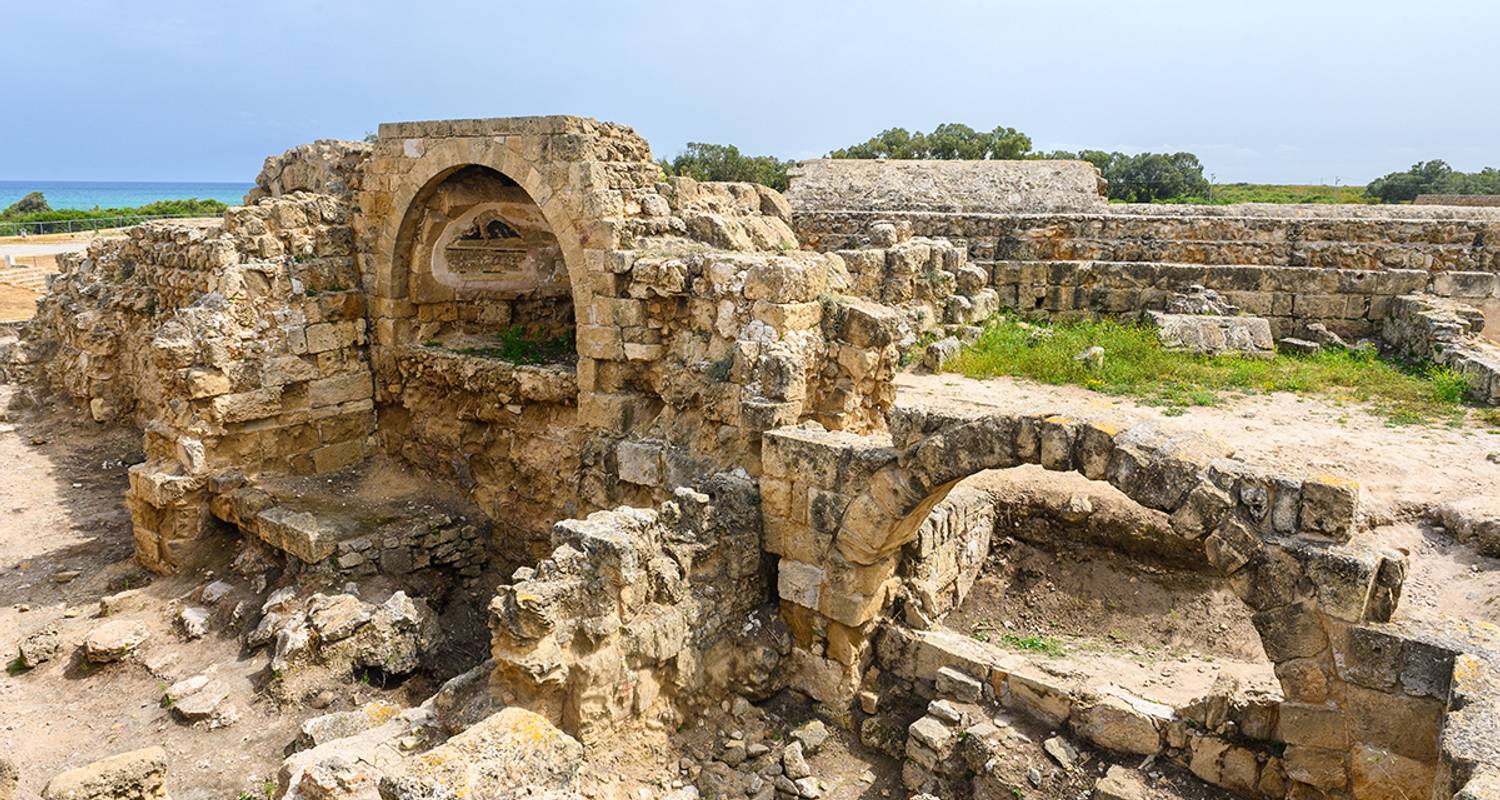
(119,194)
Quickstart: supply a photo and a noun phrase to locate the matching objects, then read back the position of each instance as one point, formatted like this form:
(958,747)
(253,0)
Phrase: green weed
(520,345)
(1137,365)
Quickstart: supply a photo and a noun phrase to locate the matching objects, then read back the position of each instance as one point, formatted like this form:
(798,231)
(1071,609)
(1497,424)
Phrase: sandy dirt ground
(65,543)
(16,304)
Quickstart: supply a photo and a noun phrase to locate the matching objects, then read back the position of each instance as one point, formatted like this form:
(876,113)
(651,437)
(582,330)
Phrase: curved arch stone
(836,578)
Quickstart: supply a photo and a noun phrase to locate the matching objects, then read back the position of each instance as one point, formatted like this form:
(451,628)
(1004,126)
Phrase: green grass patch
(1229,193)
(520,345)
(1137,365)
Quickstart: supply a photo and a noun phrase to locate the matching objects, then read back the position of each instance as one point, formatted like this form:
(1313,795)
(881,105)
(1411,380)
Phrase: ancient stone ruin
(653,439)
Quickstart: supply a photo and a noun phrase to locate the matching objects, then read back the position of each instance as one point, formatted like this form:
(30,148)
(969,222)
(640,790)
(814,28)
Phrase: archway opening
(485,272)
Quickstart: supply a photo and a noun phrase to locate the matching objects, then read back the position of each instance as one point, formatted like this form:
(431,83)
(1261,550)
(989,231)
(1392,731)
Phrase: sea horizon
(87,195)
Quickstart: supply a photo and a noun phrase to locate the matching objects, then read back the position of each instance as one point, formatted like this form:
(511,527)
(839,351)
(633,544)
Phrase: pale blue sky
(1262,90)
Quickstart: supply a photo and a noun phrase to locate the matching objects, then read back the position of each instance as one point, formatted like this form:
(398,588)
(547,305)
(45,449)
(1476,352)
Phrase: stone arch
(443,159)
(576,170)
(518,266)
(1317,601)
(1260,530)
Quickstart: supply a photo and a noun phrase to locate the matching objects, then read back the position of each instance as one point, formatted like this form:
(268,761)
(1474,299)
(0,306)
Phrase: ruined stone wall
(1292,264)
(1447,332)
(326,166)
(699,323)
(639,612)
(236,345)
(962,187)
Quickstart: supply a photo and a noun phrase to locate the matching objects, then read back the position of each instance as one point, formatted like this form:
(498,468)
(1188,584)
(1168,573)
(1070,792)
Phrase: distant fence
(51,226)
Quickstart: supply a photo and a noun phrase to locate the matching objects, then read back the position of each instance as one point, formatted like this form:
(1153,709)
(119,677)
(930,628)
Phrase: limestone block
(799,582)
(1121,783)
(866,324)
(114,640)
(639,462)
(957,684)
(300,533)
(1316,766)
(1316,725)
(1231,546)
(1057,435)
(1328,506)
(136,775)
(1381,775)
(786,317)
(1291,632)
(509,752)
(940,352)
(1401,724)
(1038,694)
(1202,511)
(1114,724)
(203,382)
(246,406)
(337,389)
(1205,334)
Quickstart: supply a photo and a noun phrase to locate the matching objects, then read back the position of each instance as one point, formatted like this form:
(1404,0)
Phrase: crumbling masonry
(717,487)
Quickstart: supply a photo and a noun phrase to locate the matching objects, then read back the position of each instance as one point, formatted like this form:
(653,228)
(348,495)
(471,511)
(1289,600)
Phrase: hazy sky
(1310,91)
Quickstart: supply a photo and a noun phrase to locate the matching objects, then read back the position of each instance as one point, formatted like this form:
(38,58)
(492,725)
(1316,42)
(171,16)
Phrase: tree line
(1132,177)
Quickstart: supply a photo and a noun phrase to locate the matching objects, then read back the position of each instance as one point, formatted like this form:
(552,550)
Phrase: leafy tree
(725,162)
(1433,177)
(951,140)
(1145,177)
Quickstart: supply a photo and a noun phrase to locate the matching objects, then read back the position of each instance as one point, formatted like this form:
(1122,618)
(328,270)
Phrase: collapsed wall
(236,345)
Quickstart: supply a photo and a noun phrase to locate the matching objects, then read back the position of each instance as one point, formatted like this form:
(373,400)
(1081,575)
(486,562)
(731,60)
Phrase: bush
(1433,177)
(951,140)
(32,203)
(1228,193)
(724,162)
(1145,177)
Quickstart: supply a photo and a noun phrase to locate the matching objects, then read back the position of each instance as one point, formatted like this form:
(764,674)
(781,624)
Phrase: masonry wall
(699,323)
(237,345)
(1293,264)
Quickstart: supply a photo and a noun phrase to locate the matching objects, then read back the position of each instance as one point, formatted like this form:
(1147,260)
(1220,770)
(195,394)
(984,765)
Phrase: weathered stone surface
(136,775)
(499,756)
(1121,783)
(39,646)
(114,640)
(1115,724)
(989,186)
(1212,335)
